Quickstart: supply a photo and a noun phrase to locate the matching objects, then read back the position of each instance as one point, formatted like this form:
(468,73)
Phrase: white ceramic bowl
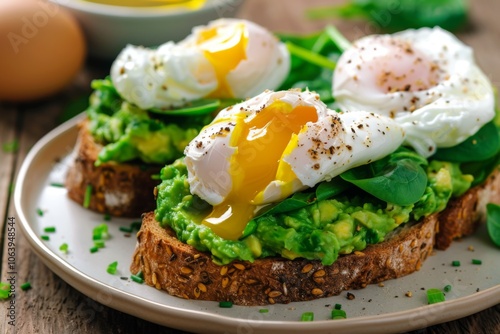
(109,29)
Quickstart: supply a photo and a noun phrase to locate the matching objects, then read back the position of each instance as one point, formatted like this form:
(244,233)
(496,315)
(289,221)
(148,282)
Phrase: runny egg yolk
(399,67)
(224,48)
(260,144)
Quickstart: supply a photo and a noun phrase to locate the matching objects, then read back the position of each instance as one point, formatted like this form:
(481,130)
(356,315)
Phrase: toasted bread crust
(462,216)
(119,189)
(182,271)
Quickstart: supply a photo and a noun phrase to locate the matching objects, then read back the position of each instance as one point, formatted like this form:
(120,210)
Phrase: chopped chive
(49,229)
(93,249)
(39,212)
(136,279)
(88,194)
(26,286)
(338,314)
(112,268)
(57,185)
(125,229)
(4,290)
(45,237)
(99,243)
(226,304)
(338,306)
(447,288)
(307,316)
(455,263)
(64,248)
(100,232)
(107,217)
(155,176)
(476,261)
(435,296)
(136,225)
(140,274)
(263,310)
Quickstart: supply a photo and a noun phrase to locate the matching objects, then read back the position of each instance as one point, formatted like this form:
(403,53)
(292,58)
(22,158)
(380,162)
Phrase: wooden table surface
(55,307)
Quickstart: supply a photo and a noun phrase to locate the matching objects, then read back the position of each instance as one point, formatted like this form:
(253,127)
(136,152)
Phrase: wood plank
(52,306)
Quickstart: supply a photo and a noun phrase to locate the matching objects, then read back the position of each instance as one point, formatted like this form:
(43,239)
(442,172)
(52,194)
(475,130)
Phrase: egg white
(321,151)
(442,115)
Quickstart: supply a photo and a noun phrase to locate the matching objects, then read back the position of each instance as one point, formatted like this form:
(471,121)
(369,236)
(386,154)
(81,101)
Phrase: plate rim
(156,312)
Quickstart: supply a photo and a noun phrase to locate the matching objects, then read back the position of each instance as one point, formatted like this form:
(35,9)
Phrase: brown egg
(42,48)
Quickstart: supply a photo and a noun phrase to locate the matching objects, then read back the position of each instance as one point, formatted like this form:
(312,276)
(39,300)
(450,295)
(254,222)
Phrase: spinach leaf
(313,59)
(480,169)
(198,107)
(399,15)
(493,222)
(302,199)
(398,178)
(483,145)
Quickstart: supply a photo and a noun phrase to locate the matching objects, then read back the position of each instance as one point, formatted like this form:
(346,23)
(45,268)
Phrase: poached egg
(228,58)
(426,80)
(264,149)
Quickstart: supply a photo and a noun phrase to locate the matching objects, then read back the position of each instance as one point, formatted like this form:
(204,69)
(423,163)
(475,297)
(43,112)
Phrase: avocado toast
(351,200)
(156,100)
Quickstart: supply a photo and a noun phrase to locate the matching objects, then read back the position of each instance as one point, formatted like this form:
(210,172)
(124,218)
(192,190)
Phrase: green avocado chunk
(129,133)
(339,225)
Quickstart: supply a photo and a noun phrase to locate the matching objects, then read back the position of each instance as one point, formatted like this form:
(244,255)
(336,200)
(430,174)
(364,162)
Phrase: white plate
(375,308)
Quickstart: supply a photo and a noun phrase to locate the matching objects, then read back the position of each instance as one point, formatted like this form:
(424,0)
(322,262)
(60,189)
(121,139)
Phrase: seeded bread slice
(182,271)
(119,189)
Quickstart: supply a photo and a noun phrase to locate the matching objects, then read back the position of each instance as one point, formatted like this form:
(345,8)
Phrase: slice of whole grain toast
(182,271)
(119,189)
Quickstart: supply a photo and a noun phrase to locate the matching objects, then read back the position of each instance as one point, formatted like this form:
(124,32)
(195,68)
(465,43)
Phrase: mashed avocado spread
(322,230)
(129,133)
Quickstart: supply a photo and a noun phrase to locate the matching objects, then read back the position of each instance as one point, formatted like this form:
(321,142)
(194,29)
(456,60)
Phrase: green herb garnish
(100,232)
(26,286)
(476,261)
(99,243)
(112,268)
(435,296)
(307,316)
(136,279)
(125,229)
(455,263)
(338,314)
(88,196)
(4,290)
(225,304)
(49,229)
(64,248)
